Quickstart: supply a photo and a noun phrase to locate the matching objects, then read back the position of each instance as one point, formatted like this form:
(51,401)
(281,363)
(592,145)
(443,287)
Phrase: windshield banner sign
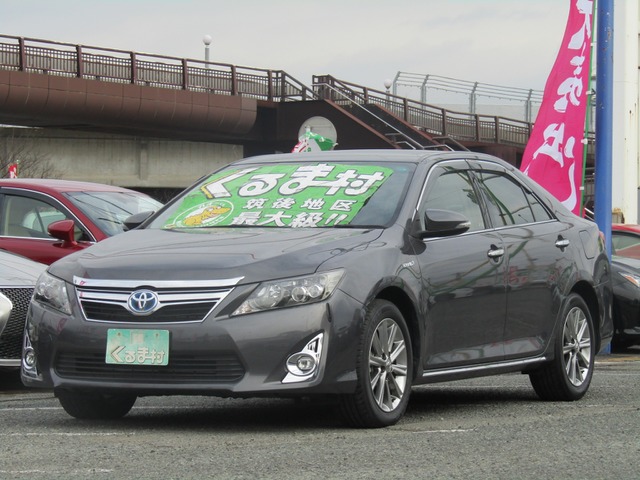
(322,195)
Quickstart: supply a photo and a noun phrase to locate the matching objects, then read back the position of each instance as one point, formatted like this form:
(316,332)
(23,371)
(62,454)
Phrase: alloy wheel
(577,347)
(388,365)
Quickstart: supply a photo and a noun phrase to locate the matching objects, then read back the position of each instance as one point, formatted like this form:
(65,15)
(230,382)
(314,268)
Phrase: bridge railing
(111,65)
(431,119)
(436,121)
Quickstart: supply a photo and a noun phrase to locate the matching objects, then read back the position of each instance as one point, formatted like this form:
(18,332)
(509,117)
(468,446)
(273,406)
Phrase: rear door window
(508,203)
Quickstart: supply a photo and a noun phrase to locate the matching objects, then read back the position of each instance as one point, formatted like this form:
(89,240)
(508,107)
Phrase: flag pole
(587,121)
(604,119)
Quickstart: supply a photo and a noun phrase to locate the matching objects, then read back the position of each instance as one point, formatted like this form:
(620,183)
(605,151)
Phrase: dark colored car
(626,301)
(18,276)
(28,207)
(625,263)
(354,274)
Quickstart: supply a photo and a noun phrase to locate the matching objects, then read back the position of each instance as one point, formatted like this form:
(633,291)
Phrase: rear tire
(384,368)
(568,376)
(95,406)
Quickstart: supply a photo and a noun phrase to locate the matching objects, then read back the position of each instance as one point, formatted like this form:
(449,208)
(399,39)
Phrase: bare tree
(22,149)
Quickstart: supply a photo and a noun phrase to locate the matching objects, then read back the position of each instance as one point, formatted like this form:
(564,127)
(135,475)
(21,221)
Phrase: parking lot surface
(493,427)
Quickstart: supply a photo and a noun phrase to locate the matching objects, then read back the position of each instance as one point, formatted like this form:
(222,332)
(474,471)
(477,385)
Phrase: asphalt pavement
(493,427)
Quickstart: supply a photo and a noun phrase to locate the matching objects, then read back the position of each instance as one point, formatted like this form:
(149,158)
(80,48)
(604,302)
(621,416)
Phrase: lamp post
(207,41)
(387,86)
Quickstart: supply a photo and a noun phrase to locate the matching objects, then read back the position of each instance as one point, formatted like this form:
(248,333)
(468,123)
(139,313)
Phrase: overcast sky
(502,42)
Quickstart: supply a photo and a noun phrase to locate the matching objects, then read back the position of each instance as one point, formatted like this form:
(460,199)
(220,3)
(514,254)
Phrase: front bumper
(229,356)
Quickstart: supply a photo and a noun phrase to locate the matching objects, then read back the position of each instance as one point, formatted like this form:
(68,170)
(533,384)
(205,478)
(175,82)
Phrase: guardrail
(110,65)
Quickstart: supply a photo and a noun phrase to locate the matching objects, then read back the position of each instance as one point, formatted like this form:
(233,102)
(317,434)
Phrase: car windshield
(290,195)
(108,210)
(626,244)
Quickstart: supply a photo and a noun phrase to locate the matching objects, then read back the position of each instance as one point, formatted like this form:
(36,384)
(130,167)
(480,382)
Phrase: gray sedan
(349,274)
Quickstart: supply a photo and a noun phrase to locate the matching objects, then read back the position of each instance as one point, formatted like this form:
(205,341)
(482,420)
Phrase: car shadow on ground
(196,413)
(10,380)
(633,350)
(200,414)
(273,415)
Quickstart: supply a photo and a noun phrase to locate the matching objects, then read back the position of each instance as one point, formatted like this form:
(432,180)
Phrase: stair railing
(343,95)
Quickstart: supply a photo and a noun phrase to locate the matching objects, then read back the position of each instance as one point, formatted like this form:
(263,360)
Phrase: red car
(45,219)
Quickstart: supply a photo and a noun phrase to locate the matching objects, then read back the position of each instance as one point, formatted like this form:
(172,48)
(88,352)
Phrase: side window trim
(437,171)
(50,201)
(526,192)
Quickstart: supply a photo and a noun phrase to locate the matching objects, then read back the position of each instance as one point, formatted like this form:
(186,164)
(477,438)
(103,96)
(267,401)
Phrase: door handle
(495,253)
(562,243)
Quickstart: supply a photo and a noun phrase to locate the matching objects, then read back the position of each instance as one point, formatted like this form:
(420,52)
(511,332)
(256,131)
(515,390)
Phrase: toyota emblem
(143,302)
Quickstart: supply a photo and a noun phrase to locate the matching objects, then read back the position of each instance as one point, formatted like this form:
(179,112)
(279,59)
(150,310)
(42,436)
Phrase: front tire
(384,367)
(568,376)
(95,406)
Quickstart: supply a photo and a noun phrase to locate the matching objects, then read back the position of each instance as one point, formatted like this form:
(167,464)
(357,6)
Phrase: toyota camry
(349,274)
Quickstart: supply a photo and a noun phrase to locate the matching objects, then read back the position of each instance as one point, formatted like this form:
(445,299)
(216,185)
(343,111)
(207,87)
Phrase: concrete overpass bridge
(152,121)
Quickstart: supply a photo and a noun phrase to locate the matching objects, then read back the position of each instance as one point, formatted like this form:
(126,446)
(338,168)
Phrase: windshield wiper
(364,226)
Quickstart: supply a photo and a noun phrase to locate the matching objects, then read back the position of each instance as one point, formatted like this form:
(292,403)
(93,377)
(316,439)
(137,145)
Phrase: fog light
(306,363)
(303,365)
(29,358)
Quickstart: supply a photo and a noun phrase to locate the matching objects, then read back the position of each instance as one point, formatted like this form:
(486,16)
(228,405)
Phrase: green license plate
(137,347)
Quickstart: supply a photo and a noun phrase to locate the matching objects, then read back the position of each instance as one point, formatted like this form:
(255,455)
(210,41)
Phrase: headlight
(291,292)
(52,292)
(633,278)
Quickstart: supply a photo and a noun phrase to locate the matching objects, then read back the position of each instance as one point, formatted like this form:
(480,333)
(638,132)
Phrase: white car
(18,276)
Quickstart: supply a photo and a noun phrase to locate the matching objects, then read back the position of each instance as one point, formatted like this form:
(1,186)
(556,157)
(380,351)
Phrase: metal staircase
(374,111)
(412,124)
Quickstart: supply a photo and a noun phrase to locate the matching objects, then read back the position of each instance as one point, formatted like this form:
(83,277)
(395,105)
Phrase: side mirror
(135,220)
(63,230)
(443,223)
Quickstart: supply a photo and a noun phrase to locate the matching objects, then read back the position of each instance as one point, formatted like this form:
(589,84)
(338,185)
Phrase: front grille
(182,368)
(109,303)
(172,313)
(11,338)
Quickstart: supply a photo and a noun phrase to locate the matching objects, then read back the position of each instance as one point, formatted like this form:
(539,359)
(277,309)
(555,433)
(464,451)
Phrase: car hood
(255,254)
(625,263)
(16,271)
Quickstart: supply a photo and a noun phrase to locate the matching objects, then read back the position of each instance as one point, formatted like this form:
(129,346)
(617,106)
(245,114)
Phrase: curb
(608,358)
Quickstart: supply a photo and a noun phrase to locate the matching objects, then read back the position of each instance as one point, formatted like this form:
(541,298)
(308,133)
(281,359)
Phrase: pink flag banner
(553,156)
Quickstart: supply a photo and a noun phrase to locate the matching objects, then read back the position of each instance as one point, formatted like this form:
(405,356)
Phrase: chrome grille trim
(191,302)
(134,284)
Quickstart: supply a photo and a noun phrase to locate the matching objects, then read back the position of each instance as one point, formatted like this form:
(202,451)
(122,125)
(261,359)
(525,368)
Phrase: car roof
(413,156)
(625,227)
(57,185)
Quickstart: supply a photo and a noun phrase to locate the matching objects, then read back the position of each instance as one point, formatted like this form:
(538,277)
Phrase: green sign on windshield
(306,195)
